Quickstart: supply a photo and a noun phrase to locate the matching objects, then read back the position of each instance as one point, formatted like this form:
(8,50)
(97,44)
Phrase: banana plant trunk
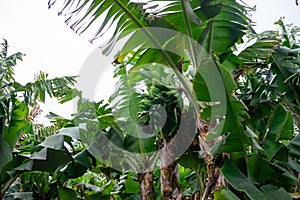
(213,164)
(146,186)
(169,174)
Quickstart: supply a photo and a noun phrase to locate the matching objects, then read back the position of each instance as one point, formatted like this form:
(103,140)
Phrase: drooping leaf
(73,132)
(20,111)
(272,148)
(294,147)
(190,12)
(78,167)
(46,160)
(281,126)
(262,48)
(236,113)
(287,173)
(225,29)
(17,123)
(55,142)
(5,152)
(207,12)
(240,182)
(260,170)
(14,131)
(274,192)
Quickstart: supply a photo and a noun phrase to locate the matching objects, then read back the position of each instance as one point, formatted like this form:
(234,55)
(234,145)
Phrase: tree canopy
(195,115)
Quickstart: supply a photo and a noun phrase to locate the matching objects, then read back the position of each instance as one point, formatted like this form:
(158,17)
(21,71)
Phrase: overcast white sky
(51,46)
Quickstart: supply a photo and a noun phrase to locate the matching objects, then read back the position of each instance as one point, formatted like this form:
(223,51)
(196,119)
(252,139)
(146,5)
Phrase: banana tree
(271,126)
(15,119)
(228,143)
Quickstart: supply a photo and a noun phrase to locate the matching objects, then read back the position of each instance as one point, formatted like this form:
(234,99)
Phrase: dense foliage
(243,140)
